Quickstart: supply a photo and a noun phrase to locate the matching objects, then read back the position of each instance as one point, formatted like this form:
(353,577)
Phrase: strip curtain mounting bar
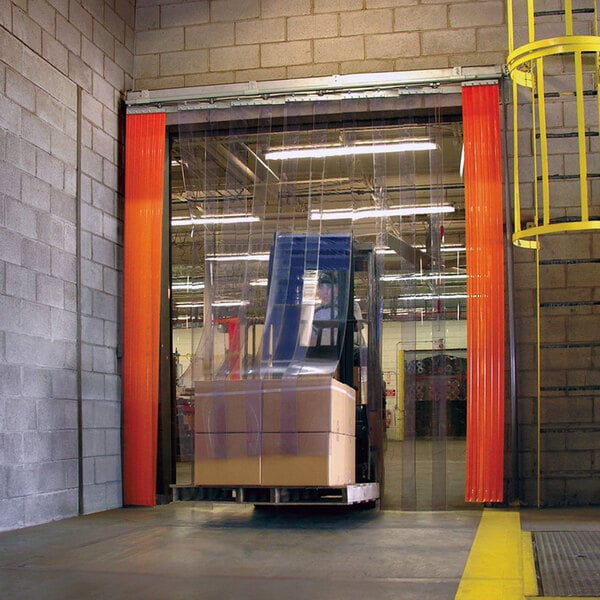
(144,174)
(485,294)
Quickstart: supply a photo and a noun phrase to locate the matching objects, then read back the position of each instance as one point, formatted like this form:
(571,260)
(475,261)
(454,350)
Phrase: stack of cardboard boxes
(274,433)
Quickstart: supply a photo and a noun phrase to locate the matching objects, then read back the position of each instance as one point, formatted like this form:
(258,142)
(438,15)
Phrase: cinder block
(223,10)
(20,90)
(183,62)
(124,59)
(114,494)
(64,385)
(80,73)
(159,40)
(147,17)
(104,359)
(583,491)
(464,14)
(21,153)
(103,144)
(114,23)
(338,49)
(104,92)
(108,468)
(10,379)
(448,41)
(420,18)
(27,30)
(209,36)
(103,251)
(112,441)
(312,27)
(266,74)
(92,390)
(91,220)
(50,170)
(63,325)
(94,442)
(367,66)
(94,497)
(239,57)
(92,55)
(35,319)
(20,415)
(91,274)
(259,31)
(12,510)
(20,283)
(104,39)
(50,291)
(42,508)
(104,306)
(370,4)
(284,8)
(392,45)
(64,265)
(82,20)
(336,6)
(112,381)
(11,49)
(367,22)
(286,53)
(20,218)
(184,13)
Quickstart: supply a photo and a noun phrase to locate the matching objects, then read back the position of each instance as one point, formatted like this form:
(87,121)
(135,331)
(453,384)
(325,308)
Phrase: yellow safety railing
(527,68)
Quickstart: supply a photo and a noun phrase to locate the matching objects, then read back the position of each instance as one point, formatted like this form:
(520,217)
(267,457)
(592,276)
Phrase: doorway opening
(388,174)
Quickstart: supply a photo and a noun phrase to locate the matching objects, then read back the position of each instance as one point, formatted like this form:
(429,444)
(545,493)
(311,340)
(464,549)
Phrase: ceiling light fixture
(326,151)
(259,257)
(227,303)
(213,220)
(418,277)
(372,213)
(188,285)
(434,297)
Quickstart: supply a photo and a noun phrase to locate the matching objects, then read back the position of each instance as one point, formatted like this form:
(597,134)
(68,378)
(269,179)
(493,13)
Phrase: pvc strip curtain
(245,212)
(144,176)
(485,289)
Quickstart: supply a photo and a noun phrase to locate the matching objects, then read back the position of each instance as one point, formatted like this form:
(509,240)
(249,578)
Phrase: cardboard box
(227,459)
(307,459)
(228,406)
(308,404)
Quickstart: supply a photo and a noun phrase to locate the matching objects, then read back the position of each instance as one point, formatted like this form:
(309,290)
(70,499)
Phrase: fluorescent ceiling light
(372,213)
(259,283)
(213,220)
(228,303)
(325,151)
(261,257)
(434,297)
(189,305)
(453,249)
(190,286)
(416,277)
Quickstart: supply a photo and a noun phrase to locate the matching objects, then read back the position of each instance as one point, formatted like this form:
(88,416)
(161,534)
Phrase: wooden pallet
(343,495)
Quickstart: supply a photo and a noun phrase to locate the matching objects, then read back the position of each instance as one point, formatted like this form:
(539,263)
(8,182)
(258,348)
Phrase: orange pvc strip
(485,291)
(144,177)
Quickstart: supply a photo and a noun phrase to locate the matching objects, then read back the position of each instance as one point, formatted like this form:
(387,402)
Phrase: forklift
(304,336)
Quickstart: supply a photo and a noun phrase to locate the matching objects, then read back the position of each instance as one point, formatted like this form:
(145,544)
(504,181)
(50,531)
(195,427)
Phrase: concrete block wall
(60,254)
(566,420)
(205,42)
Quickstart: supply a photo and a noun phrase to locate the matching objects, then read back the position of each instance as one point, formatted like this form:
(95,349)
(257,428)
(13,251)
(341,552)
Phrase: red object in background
(485,294)
(143,215)
(233,356)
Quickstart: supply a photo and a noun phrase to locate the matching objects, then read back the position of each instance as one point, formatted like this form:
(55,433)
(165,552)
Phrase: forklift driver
(325,333)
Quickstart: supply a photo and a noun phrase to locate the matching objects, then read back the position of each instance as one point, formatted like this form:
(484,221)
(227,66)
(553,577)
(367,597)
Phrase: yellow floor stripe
(497,561)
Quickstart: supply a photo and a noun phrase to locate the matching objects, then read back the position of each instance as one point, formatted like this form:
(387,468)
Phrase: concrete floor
(196,550)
